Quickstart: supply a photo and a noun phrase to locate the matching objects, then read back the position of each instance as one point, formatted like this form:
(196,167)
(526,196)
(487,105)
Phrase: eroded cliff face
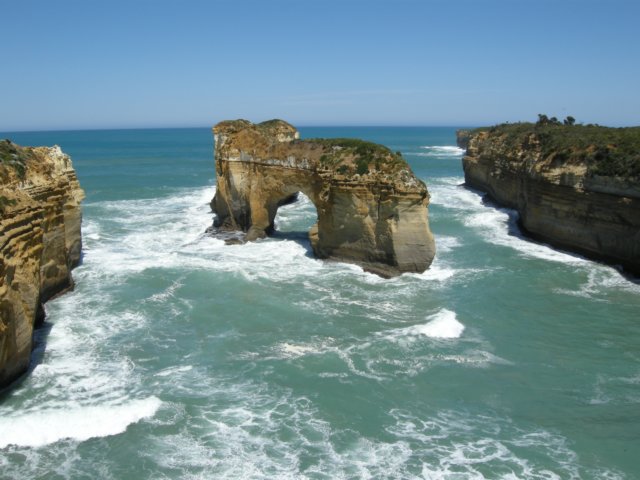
(372,210)
(40,242)
(557,191)
(462,138)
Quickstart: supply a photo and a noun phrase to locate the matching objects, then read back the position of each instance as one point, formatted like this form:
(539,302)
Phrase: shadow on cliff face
(294,218)
(515,228)
(40,335)
(41,332)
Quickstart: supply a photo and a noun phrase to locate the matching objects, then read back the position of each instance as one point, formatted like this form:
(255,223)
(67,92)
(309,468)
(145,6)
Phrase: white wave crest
(442,151)
(35,429)
(443,324)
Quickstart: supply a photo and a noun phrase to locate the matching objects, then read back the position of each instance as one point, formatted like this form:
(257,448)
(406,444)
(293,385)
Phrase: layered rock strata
(372,210)
(575,187)
(40,243)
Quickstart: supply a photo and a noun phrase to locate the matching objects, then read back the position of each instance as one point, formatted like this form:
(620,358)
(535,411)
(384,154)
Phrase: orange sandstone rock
(40,243)
(372,210)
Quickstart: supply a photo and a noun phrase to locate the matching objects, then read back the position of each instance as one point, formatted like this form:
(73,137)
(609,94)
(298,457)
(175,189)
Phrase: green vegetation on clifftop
(13,156)
(365,155)
(606,151)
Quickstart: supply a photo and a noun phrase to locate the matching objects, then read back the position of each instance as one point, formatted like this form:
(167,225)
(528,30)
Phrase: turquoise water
(180,357)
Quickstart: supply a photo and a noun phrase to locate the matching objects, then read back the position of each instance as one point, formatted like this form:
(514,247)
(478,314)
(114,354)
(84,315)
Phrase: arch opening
(295,218)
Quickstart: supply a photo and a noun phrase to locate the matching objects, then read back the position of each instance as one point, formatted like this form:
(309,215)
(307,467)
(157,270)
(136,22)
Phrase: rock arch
(372,210)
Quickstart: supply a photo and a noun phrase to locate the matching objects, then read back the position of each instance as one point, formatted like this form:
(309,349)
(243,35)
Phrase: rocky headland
(40,243)
(462,138)
(372,210)
(575,186)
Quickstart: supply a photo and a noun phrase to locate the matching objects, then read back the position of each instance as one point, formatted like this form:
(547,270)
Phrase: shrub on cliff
(5,202)
(359,154)
(544,120)
(15,157)
(362,166)
(606,151)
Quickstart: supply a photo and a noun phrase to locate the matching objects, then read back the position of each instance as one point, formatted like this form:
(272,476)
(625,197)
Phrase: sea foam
(443,324)
(36,429)
(496,225)
(442,151)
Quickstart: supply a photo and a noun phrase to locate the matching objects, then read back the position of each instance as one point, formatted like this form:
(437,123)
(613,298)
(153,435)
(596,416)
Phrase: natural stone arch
(372,210)
(295,205)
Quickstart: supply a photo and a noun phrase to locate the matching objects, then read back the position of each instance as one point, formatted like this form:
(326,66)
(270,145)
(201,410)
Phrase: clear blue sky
(111,64)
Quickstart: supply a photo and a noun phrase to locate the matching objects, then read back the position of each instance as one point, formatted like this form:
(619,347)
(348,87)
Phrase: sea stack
(372,210)
(40,242)
(574,186)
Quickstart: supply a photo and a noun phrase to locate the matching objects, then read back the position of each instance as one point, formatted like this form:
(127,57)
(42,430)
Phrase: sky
(134,64)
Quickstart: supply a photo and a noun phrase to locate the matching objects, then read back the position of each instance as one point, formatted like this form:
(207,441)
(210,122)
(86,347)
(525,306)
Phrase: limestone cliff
(40,243)
(462,138)
(372,210)
(577,187)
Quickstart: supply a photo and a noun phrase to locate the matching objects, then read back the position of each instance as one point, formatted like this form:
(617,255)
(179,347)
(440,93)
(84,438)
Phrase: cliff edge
(575,186)
(40,243)
(372,210)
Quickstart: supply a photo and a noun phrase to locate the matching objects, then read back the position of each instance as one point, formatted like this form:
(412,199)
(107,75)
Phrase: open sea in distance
(180,357)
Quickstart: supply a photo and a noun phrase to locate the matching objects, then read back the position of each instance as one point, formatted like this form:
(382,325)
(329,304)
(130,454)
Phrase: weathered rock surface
(372,210)
(462,138)
(40,243)
(557,179)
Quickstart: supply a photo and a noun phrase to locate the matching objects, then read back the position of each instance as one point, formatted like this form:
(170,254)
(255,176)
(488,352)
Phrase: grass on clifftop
(346,154)
(14,157)
(606,151)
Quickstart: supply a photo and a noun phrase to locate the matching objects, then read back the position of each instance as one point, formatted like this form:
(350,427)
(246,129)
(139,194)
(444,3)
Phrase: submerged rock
(372,210)
(40,243)
(574,186)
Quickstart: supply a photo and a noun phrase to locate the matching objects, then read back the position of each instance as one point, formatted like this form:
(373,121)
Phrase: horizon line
(354,125)
(95,129)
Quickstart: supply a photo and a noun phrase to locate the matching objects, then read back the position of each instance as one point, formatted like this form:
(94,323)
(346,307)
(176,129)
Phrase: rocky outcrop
(40,243)
(574,187)
(372,210)
(462,138)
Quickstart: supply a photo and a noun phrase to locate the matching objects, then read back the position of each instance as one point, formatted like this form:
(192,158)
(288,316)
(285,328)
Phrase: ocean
(180,357)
